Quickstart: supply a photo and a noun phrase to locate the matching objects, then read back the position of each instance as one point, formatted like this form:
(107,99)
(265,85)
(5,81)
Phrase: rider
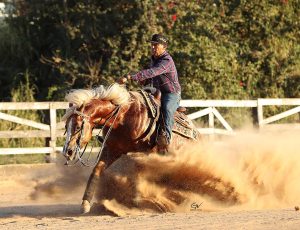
(162,75)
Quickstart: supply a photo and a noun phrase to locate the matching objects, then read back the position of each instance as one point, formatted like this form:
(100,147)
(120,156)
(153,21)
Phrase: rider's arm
(161,67)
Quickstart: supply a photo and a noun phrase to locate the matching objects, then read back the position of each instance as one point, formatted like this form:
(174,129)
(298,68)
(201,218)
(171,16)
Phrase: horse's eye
(77,128)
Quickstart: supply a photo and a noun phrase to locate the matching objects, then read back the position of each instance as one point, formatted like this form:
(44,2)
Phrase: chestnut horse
(127,127)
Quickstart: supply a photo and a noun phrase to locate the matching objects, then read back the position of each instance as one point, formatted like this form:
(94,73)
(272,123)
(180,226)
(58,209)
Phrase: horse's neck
(135,118)
(109,112)
(131,118)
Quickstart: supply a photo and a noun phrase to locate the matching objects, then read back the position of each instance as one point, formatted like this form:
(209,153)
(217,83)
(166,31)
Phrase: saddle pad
(183,119)
(184,126)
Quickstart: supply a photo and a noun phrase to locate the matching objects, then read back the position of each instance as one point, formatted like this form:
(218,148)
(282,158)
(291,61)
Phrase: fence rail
(55,128)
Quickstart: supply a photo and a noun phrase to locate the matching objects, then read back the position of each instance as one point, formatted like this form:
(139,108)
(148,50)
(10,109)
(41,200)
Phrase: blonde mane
(115,93)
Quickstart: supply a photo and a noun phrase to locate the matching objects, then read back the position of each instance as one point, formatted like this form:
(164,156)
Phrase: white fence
(206,108)
(258,105)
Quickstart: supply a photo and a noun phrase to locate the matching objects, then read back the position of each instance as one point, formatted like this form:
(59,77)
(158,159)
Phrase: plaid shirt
(162,74)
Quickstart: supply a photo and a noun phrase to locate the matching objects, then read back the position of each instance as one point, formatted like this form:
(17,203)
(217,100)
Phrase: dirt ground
(21,207)
(250,181)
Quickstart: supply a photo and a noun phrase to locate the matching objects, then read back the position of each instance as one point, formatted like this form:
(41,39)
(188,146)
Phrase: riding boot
(162,143)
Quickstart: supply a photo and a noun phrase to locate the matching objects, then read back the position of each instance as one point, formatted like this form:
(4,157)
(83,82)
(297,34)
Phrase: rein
(79,154)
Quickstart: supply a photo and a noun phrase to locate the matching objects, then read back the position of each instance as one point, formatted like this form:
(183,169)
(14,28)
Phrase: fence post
(211,123)
(260,113)
(52,132)
(254,112)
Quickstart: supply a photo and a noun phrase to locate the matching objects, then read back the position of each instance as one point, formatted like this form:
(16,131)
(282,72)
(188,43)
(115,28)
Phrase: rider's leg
(170,103)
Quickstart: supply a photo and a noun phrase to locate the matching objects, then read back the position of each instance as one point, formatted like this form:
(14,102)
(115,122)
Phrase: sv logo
(195,206)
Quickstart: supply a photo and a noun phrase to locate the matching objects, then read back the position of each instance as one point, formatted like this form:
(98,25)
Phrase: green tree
(234,49)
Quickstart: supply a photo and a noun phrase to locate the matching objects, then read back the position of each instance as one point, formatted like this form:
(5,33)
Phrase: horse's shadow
(50,210)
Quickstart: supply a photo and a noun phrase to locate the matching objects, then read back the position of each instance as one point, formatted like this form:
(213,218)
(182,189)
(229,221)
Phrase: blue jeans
(169,105)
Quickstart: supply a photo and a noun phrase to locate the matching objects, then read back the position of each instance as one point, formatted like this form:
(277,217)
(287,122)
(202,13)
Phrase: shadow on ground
(53,210)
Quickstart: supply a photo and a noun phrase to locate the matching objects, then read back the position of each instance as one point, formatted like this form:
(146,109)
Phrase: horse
(127,126)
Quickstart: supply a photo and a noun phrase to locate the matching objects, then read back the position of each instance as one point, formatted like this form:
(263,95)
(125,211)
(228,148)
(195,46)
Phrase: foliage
(233,49)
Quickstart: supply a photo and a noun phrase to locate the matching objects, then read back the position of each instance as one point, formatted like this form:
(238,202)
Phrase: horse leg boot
(91,187)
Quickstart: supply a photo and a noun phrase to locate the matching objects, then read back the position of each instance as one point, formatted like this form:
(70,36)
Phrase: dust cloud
(247,171)
(63,183)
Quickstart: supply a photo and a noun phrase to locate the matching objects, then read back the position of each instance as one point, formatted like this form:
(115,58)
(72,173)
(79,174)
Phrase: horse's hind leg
(91,187)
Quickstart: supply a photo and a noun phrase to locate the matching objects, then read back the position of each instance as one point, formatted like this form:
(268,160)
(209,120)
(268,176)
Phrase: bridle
(78,153)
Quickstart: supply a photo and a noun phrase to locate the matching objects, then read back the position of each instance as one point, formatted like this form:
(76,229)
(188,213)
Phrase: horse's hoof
(85,207)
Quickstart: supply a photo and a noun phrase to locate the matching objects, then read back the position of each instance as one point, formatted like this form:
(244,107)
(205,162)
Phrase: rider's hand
(122,80)
(128,76)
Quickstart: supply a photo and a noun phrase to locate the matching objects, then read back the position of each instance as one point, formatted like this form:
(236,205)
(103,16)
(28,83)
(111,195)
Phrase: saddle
(182,124)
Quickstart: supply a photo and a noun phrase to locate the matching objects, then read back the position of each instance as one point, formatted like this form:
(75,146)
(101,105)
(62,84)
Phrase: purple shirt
(162,74)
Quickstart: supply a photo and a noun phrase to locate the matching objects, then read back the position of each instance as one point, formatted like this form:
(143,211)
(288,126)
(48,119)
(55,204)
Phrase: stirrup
(162,141)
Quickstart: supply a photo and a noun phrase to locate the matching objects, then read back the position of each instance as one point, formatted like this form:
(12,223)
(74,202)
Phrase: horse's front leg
(91,187)
(106,160)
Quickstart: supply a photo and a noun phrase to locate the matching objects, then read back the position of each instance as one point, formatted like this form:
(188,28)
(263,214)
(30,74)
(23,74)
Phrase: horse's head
(89,108)
(79,127)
